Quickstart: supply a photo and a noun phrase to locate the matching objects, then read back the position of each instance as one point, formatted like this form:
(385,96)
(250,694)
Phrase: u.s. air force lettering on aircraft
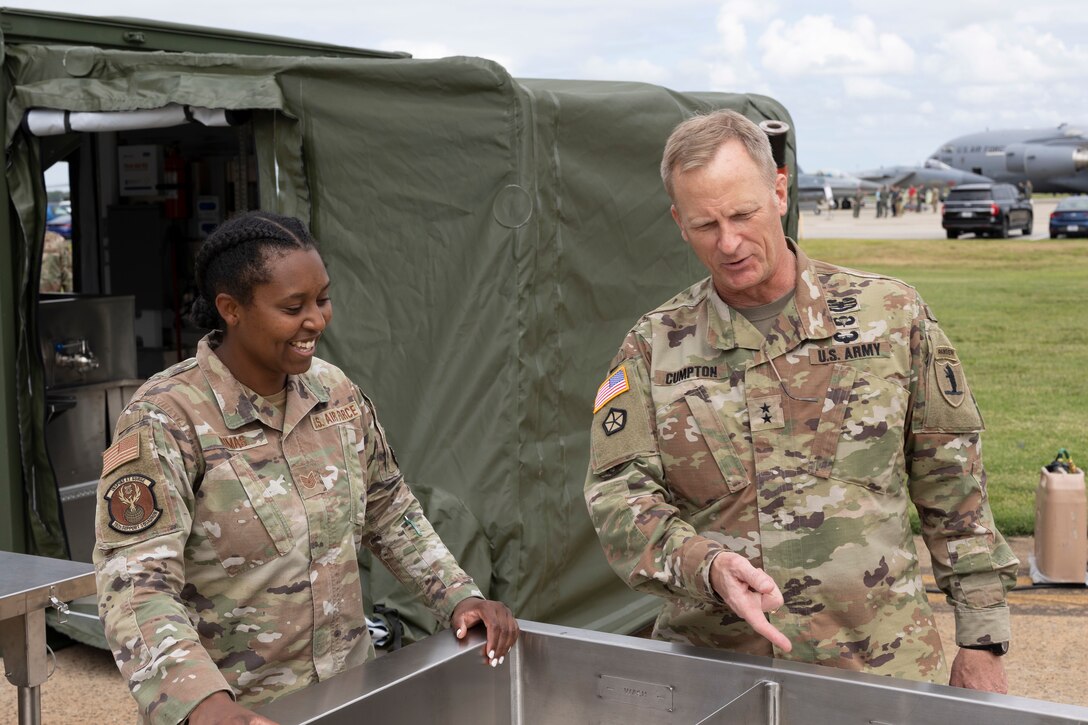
(1052,159)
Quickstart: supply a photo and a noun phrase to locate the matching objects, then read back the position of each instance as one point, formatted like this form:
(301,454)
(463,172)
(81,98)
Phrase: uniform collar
(806,317)
(240,405)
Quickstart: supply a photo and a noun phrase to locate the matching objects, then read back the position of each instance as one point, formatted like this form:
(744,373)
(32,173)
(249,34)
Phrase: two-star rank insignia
(765,413)
(614,421)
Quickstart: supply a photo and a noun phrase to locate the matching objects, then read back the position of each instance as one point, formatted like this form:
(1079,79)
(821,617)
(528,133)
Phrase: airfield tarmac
(1050,642)
(841,224)
(1046,662)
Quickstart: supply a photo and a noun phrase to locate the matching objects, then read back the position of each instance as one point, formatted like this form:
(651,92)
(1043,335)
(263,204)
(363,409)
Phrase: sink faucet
(75,354)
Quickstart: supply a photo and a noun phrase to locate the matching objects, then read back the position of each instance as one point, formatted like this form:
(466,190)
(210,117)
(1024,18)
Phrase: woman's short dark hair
(233,259)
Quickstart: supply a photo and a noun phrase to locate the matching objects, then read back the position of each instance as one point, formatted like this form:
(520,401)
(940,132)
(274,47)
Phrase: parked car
(991,209)
(1070,217)
(61,224)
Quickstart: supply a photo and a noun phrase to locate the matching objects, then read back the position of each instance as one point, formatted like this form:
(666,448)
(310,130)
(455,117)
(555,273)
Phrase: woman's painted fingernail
(494,663)
(460,632)
(502,659)
(491,654)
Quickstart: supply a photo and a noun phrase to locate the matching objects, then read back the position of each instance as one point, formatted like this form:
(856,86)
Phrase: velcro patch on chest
(242,441)
(845,353)
(335,416)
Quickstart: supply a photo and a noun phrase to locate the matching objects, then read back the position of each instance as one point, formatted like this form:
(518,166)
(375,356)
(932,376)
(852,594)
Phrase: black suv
(990,208)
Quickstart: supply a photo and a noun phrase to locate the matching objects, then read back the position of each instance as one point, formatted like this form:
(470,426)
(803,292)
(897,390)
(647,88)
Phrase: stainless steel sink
(565,676)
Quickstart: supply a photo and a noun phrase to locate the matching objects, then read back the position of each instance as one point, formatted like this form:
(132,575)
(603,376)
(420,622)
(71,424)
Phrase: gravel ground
(1046,662)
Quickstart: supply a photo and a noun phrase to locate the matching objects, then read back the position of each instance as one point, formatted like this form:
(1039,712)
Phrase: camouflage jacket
(227,542)
(56,274)
(697,448)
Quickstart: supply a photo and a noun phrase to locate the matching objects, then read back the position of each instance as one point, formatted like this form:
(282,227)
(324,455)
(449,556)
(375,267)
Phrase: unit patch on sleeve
(615,385)
(949,405)
(614,421)
(131,504)
(337,415)
(620,434)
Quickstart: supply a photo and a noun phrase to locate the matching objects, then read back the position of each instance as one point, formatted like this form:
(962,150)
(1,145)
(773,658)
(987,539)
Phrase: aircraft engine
(1046,161)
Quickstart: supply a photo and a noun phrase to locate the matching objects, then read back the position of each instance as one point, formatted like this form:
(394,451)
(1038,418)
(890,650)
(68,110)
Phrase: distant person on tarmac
(858,198)
(56,273)
(241,485)
(759,439)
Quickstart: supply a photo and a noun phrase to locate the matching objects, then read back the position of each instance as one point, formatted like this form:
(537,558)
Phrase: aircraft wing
(920,176)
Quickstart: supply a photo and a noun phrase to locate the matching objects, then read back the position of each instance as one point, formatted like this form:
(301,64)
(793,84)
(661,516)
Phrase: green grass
(1017,312)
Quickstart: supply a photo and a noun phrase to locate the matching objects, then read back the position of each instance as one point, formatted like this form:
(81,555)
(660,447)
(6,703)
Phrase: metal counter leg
(30,705)
(22,640)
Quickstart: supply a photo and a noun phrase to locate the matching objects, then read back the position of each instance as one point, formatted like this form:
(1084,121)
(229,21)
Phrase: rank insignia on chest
(131,504)
(615,385)
(765,413)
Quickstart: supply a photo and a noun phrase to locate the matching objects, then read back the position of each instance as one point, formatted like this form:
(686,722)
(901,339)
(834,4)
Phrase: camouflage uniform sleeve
(400,535)
(972,563)
(644,538)
(141,526)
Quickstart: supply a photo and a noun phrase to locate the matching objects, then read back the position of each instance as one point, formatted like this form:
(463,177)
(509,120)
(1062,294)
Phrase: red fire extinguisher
(175,182)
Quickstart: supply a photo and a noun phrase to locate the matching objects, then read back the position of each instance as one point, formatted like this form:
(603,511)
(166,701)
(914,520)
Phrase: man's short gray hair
(693,143)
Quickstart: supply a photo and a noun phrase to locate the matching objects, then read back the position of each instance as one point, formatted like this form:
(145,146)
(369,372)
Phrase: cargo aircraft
(1052,159)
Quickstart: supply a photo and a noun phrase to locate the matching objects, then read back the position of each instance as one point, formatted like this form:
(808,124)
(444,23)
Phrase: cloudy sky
(867,83)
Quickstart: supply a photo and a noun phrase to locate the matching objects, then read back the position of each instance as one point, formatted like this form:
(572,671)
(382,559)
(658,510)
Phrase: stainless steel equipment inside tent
(562,676)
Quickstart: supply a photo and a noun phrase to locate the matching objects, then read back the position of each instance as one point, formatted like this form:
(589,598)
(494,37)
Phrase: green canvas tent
(490,241)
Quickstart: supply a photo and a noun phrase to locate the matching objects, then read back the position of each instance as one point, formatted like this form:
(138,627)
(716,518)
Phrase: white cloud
(624,69)
(732,23)
(926,108)
(816,44)
(869,87)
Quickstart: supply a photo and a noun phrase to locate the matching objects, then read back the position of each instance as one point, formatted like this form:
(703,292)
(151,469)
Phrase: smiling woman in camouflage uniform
(760,437)
(238,491)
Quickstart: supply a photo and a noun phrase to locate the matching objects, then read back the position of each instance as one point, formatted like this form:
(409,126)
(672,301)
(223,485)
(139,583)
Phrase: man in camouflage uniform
(56,264)
(760,435)
(228,527)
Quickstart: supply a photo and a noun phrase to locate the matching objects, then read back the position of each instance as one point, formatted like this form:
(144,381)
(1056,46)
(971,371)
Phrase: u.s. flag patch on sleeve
(616,384)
